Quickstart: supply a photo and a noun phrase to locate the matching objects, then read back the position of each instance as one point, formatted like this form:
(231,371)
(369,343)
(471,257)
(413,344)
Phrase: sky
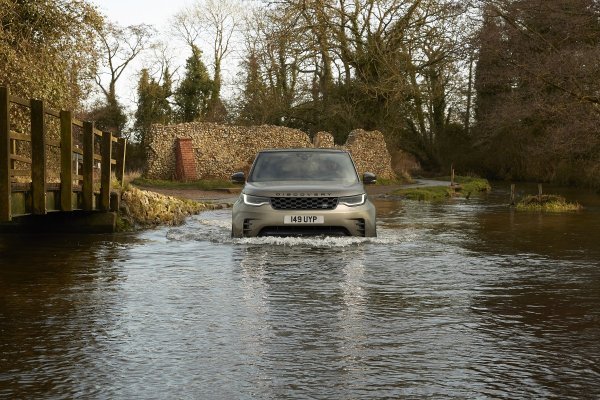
(133,12)
(129,12)
(157,13)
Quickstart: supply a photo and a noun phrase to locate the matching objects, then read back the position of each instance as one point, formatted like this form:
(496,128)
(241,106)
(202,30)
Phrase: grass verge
(430,193)
(469,184)
(466,185)
(200,185)
(390,182)
(547,203)
(475,185)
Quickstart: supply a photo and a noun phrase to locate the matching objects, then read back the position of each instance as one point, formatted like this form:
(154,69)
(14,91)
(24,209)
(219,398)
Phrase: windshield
(303,166)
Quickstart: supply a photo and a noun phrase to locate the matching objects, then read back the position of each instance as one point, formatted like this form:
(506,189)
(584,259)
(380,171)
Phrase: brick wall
(185,160)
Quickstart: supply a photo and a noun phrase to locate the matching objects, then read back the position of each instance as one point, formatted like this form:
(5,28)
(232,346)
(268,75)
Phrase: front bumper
(251,221)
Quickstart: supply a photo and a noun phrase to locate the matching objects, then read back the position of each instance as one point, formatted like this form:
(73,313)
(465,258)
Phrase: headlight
(353,201)
(254,200)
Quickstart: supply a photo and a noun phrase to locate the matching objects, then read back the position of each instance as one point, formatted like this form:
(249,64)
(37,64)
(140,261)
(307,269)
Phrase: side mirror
(238,177)
(369,178)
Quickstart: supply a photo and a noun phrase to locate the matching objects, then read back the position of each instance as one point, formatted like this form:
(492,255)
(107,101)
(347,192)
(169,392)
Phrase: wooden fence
(87,161)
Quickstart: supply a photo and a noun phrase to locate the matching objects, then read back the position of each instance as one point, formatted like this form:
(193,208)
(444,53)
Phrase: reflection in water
(53,302)
(545,322)
(456,300)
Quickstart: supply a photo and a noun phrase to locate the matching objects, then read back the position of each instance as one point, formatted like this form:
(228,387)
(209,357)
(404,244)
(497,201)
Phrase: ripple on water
(447,302)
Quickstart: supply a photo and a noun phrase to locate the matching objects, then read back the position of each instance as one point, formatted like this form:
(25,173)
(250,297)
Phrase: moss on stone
(141,208)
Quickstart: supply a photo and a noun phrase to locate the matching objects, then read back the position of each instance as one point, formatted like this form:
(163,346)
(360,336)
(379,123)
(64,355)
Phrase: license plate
(303,219)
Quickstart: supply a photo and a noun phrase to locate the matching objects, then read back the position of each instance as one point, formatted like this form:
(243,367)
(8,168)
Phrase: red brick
(185,167)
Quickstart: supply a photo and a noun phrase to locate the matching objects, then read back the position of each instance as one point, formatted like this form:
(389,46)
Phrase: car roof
(304,149)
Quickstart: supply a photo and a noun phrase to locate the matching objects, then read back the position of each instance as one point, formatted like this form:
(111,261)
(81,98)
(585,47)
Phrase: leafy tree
(48,49)
(253,97)
(152,105)
(108,117)
(192,96)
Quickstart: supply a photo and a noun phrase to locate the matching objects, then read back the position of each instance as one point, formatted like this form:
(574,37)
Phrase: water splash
(215,227)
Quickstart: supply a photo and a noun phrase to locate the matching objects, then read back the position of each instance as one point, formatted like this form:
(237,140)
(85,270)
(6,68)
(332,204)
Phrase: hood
(303,189)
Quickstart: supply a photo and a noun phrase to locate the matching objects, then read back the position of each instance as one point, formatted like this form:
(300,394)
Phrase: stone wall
(370,153)
(221,150)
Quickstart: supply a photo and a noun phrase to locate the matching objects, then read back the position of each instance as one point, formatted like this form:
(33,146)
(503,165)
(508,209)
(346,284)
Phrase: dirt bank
(142,208)
(224,196)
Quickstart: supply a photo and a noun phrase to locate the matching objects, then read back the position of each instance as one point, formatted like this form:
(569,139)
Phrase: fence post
(5,186)
(105,171)
(512,194)
(66,161)
(13,151)
(120,156)
(38,157)
(88,167)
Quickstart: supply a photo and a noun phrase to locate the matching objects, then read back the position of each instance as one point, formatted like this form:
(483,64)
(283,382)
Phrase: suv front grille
(304,203)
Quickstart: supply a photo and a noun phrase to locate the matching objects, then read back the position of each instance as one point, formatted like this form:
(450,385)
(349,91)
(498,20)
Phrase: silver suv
(298,192)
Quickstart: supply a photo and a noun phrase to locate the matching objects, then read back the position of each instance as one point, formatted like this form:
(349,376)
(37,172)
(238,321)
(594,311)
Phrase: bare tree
(582,16)
(537,89)
(397,64)
(187,27)
(120,45)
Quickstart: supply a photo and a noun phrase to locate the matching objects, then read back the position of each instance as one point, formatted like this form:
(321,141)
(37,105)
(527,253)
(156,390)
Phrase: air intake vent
(247,227)
(360,224)
(304,203)
(304,231)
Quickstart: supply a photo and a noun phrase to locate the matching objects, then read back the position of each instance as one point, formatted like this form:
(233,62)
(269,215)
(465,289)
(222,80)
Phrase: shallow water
(456,300)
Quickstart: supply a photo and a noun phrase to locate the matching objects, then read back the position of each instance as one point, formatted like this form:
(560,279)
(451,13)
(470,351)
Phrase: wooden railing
(98,153)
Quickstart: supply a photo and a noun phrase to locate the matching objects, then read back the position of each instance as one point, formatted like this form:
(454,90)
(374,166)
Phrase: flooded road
(465,299)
